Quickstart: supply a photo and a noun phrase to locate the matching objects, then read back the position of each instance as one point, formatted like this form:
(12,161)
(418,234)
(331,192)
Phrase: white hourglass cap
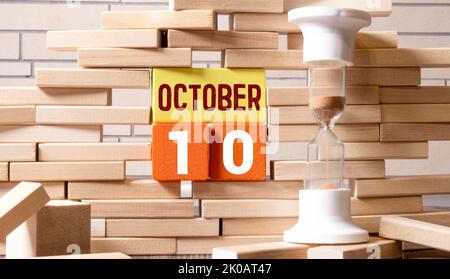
(329,33)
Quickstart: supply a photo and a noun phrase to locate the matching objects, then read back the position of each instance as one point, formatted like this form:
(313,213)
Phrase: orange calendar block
(180,151)
(237,152)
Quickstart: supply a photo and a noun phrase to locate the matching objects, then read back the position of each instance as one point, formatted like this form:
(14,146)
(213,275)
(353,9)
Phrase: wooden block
(431,235)
(92,115)
(364,40)
(253,151)
(55,189)
(194,19)
(162,227)
(415,95)
(72,40)
(384,150)
(53,230)
(402,186)
(426,254)
(135,246)
(438,113)
(168,164)
(49,133)
(403,57)
(414,131)
(299,96)
(244,190)
(378,8)
(303,115)
(128,189)
(263,22)
(264,58)
(141,208)
(70,152)
(19,204)
(289,208)
(371,223)
(2,248)
(297,170)
(22,96)
(57,171)
(98,229)
(231,6)
(257,226)
(205,245)
(4,171)
(345,132)
(17,114)
(134,58)
(100,256)
(269,250)
(92,78)
(208,95)
(408,246)
(376,248)
(221,40)
(13,152)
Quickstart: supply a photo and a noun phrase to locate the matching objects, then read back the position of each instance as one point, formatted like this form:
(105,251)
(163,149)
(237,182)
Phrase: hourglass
(325,202)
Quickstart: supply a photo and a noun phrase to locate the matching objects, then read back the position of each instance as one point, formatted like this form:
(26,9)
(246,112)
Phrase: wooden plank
(378,8)
(297,170)
(364,40)
(141,208)
(13,152)
(376,248)
(95,256)
(162,227)
(289,208)
(4,171)
(134,58)
(205,245)
(92,115)
(19,204)
(299,96)
(49,133)
(220,40)
(135,246)
(402,186)
(98,228)
(303,115)
(244,190)
(21,96)
(92,78)
(269,250)
(415,95)
(51,230)
(414,132)
(230,6)
(55,189)
(264,58)
(345,132)
(385,150)
(57,171)
(128,189)
(72,40)
(431,235)
(200,19)
(418,113)
(17,114)
(371,223)
(72,152)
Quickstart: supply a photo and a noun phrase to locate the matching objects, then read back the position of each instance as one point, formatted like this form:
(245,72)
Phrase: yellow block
(208,95)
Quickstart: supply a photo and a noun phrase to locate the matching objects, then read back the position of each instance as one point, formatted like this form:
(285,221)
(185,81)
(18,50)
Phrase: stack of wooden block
(54,130)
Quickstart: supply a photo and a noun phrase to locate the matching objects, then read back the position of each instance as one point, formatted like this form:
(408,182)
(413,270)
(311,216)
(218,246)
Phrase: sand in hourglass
(327,107)
(327,186)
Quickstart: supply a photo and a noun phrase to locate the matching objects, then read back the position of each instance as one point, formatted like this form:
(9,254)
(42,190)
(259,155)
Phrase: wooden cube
(60,227)
(238,167)
(180,151)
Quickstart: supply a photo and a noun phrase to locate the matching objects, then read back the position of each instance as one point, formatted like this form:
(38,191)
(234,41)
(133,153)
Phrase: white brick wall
(23,26)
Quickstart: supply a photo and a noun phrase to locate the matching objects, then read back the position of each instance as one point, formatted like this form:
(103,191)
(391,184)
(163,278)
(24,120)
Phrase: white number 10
(181,137)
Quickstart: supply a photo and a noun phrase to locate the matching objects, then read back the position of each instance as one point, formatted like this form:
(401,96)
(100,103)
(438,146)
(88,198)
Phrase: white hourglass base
(324,218)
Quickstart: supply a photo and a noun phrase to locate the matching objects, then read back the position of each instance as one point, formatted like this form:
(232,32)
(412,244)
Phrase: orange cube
(237,152)
(180,151)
